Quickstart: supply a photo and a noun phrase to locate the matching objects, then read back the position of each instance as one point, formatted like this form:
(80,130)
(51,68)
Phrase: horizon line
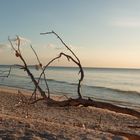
(93,67)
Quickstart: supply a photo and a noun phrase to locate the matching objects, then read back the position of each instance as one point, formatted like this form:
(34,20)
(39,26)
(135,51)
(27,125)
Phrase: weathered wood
(89,102)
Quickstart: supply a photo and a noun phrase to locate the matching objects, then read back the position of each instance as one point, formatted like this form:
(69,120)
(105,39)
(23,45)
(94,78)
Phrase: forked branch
(25,66)
(75,60)
(52,32)
(40,66)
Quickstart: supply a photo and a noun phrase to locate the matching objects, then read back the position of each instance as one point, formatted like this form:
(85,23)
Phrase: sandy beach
(62,123)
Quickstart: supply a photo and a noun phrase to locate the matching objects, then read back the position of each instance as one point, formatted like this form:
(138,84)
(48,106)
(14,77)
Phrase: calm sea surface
(119,86)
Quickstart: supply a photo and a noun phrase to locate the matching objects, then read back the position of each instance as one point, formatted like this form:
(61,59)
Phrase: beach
(46,122)
(70,70)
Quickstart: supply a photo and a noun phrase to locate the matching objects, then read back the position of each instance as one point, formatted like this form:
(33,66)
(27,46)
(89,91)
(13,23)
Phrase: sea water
(118,86)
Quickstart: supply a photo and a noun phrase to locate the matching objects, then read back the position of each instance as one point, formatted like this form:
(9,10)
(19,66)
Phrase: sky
(103,33)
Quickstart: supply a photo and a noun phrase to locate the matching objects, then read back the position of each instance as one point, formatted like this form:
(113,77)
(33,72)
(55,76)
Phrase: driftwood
(75,59)
(69,102)
(90,102)
(25,66)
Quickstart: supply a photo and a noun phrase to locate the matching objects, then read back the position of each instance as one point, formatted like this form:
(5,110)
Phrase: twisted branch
(76,60)
(25,66)
(40,65)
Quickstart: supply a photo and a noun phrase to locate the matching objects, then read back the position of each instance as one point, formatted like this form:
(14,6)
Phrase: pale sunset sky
(103,33)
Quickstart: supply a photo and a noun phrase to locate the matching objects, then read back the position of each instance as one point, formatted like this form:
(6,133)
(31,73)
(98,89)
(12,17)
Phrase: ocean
(114,85)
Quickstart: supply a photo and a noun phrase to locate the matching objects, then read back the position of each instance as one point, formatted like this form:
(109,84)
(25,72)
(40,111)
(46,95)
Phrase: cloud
(50,45)
(75,47)
(126,22)
(23,41)
(72,47)
(53,46)
(3,46)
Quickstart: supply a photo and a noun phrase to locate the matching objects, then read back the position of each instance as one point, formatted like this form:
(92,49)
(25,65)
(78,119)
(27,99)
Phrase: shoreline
(62,122)
(55,96)
(26,92)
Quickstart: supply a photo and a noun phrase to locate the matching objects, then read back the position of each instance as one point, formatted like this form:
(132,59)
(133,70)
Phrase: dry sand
(62,123)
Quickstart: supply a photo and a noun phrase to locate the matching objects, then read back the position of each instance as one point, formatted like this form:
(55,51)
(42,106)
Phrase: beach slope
(44,122)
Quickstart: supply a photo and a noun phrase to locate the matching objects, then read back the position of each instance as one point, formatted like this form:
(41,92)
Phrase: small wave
(41,79)
(57,81)
(86,86)
(115,90)
(21,76)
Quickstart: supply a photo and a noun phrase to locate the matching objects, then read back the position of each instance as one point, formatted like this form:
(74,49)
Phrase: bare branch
(52,32)
(69,58)
(77,61)
(25,67)
(36,55)
(40,65)
(18,44)
(11,44)
(72,58)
